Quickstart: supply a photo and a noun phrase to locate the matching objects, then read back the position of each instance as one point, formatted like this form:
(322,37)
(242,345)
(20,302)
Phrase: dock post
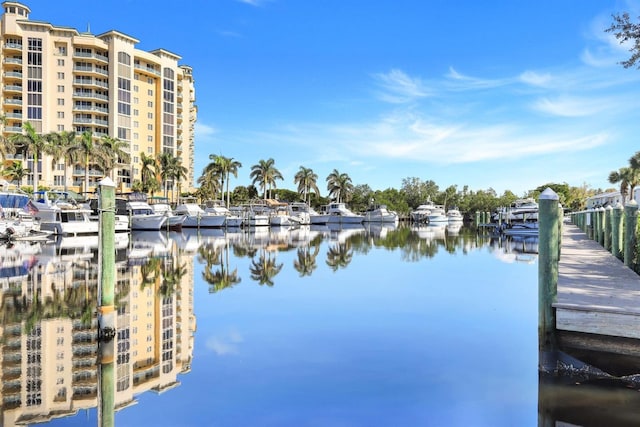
(548,259)
(616,218)
(589,223)
(106,310)
(608,213)
(477,219)
(601,226)
(630,223)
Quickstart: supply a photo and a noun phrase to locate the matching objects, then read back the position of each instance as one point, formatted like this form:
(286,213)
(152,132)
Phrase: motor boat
(380,214)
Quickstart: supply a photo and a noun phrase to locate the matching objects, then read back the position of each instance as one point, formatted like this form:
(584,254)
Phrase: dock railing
(615,228)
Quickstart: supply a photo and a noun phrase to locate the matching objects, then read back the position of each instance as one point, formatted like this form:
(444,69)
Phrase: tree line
(215,182)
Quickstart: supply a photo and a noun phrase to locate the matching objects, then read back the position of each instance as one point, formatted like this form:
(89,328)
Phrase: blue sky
(503,94)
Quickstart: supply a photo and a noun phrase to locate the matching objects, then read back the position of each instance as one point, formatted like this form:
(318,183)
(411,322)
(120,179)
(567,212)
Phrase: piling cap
(632,203)
(548,194)
(106,182)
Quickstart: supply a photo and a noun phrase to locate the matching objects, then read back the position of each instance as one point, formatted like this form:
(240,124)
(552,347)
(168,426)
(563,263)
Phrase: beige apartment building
(60,79)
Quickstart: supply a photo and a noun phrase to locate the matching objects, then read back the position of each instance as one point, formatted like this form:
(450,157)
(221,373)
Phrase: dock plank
(597,293)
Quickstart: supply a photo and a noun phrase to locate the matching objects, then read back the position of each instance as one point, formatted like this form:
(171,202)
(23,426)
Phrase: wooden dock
(597,293)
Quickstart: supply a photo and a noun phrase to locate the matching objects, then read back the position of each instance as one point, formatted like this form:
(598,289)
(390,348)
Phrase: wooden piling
(106,311)
(616,219)
(548,258)
(630,223)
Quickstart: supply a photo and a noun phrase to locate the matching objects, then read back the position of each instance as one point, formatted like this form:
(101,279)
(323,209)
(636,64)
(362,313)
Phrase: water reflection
(49,344)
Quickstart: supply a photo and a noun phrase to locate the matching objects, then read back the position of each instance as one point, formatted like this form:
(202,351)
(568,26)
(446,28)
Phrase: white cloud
(227,343)
(204,131)
(256,3)
(570,106)
(535,79)
(400,87)
(460,81)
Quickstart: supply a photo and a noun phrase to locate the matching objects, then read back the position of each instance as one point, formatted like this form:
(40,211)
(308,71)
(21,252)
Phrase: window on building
(60,88)
(60,76)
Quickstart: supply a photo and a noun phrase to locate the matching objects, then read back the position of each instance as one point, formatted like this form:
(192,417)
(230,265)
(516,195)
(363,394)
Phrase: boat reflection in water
(49,333)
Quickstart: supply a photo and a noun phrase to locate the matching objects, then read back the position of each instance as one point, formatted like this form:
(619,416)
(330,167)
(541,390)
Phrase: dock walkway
(597,293)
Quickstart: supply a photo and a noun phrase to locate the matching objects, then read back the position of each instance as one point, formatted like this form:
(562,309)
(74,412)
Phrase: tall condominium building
(60,79)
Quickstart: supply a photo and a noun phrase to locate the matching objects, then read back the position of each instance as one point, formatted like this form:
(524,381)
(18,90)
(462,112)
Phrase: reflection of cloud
(226,343)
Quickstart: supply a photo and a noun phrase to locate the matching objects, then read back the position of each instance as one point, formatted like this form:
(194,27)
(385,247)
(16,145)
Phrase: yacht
(520,210)
(196,217)
(231,218)
(161,205)
(300,213)
(340,214)
(381,214)
(421,213)
(454,216)
(437,215)
(318,218)
(60,214)
(141,215)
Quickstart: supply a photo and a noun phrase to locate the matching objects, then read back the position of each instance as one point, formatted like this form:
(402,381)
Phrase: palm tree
(624,176)
(265,173)
(6,146)
(86,152)
(179,172)
(148,172)
(114,152)
(339,185)
(209,182)
(32,143)
(60,148)
(307,181)
(634,164)
(226,166)
(16,172)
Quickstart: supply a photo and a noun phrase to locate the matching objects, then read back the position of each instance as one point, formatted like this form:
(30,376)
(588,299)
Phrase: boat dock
(589,299)
(597,293)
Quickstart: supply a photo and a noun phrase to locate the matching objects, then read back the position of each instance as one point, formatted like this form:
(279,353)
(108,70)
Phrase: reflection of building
(59,79)
(51,371)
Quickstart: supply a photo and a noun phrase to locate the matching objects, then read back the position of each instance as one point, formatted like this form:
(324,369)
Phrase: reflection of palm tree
(265,269)
(339,256)
(171,277)
(221,278)
(150,272)
(306,262)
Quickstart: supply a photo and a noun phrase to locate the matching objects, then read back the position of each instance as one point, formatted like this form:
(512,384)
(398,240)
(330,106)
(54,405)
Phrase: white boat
(280,217)
(318,218)
(161,205)
(437,215)
(60,214)
(340,214)
(254,215)
(520,210)
(421,213)
(528,228)
(232,219)
(380,214)
(454,216)
(300,212)
(140,213)
(22,226)
(196,217)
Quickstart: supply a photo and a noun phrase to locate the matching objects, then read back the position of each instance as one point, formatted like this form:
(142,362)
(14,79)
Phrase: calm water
(302,327)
